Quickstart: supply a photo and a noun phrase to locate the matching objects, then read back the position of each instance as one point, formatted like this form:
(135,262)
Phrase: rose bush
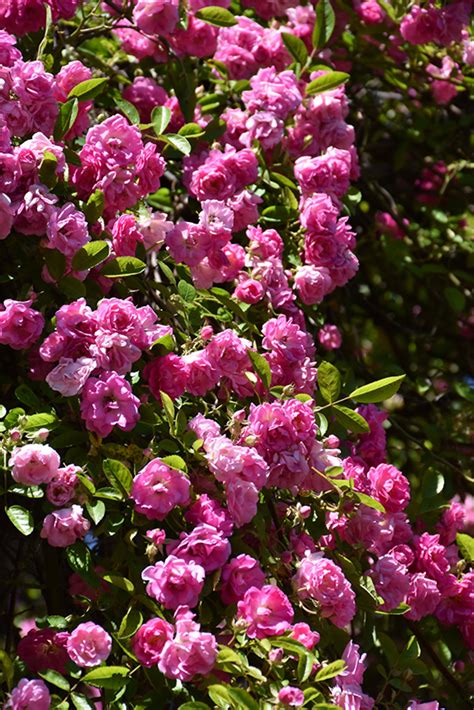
(204,506)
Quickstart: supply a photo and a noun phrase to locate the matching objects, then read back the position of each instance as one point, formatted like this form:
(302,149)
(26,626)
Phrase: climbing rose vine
(200,510)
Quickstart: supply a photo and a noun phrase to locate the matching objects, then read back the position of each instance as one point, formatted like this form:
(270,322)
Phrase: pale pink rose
(20,325)
(69,376)
(88,645)
(33,464)
(63,527)
(62,489)
(29,695)
(6,215)
(190,652)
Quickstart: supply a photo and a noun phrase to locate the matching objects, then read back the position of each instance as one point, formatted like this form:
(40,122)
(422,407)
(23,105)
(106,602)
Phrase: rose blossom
(266,611)
(69,376)
(390,487)
(175,582)
(20,325)
(322,580)
(291,697)
(157,489)
(238,575)
(29,695)
(204,545)
(88,645)
(33,464)
(190,652)
(108,401)
(148,642)
(41,649)
(63,527)
(62,488)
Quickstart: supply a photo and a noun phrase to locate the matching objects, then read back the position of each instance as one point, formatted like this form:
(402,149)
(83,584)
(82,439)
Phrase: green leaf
(131,622)
(88,89)
(160,118)
(79,558)
(326,82)
(67,115)
(94,206)
(163,345)
(331,670)
(71,287)
(176,462)
(8,668)
(237,698)
(123,266)
(80,702)
(186,291)
(96,510)
(118,581)
(324,25)
(455,298)
(21,519)
(351,420)
(168,406)
(305,667)
(118,475)
(466,546)
(179,142)
(55,678)
(369,501)
(48,169)
(25,395)
(55,263)
(218,16)
(296,47)
(329,381)
(106,677)
(191,130)
(261,367)
(90,255)
(128,110)
(194,705)
(40,421)
(378,391)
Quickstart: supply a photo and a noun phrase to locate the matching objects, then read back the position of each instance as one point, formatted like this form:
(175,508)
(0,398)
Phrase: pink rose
(62,489)
(108,401)
(266,612)
(69,376)
(149,641)
(204,545)
(6,215)
(390,487)
(157,489)
(175,582)
(291,697)
(238,575)
(63,527)
(88,645)
(33,464)
(20,325)
(322,581)
(29,695)
(156,17)
(190,652)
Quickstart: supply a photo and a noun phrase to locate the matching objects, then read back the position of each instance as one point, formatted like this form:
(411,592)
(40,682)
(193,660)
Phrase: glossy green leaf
(218,16)
(296,47)
(21,519)
(160,118)
(90,255)
(89,89)
(326,82)
(123,266)
(261,367)
(378,391)
(106,676)
(329,381)
(351,420)
(324,25)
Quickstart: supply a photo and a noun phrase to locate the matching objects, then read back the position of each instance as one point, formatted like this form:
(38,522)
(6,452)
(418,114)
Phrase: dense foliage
(237,407)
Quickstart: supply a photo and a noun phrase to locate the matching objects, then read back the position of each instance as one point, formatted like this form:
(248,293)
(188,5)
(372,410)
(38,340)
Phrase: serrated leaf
(21,519)
(179,142)
(324,24)
(261,367)
(96,510)
(326,82)
(131,622)
(176,462)
(123,266)
(296,47)
(378,391)
(39,421)
(466,546)
(89,89)
(160,118)
(118,475)
(66,117)
(218,16)
(90,255)
(106,676)
(331,670)
(351,420)
(168,406)
(128,110)
(329,381)
(186,291)
(79,557)
(55,678)
(119,581)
